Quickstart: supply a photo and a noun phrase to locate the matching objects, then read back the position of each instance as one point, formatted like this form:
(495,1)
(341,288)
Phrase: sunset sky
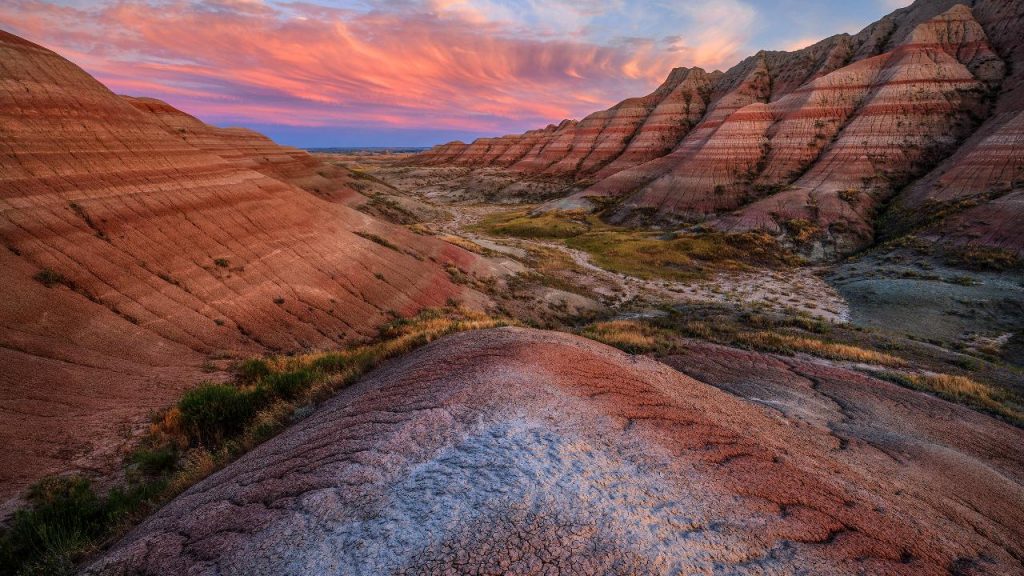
(412,72)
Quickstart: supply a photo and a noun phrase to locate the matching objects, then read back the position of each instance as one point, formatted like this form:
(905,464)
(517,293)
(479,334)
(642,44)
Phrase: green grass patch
(67,520)
(681,257)
(547,225)
(644,253)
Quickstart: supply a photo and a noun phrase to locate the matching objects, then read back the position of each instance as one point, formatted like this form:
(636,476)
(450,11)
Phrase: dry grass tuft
(787,344)
(964,390)
(631,336)
(464,243)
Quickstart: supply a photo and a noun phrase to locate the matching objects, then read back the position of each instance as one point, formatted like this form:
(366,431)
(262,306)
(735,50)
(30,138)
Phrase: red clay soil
(515,451)
(159,252)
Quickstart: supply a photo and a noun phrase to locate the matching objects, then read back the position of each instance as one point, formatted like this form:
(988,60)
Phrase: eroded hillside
(139,242)
(915,120)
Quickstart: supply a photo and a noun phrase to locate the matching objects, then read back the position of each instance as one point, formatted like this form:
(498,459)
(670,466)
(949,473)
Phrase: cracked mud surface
(516,451)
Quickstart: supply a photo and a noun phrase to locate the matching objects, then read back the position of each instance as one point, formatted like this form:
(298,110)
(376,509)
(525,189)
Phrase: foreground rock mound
(515,451)
(136,242)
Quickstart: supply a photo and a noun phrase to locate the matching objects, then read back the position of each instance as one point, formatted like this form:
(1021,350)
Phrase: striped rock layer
(137,241)
(515,451)
(921,111)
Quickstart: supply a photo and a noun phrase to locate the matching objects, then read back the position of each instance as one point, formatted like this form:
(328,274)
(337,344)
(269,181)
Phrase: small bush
(66,520)
(802,231)
(850,196)
(213,412)
(289,385)
(155,461)
(49,278)
(221,262)
(252,370)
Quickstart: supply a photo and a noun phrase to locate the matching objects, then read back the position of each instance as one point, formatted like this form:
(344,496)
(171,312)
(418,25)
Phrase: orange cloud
(441,64)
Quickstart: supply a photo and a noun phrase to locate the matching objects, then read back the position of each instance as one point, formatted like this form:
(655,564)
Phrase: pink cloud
(444,64)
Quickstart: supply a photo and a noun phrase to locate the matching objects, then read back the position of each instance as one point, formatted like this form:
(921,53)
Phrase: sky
(314,73)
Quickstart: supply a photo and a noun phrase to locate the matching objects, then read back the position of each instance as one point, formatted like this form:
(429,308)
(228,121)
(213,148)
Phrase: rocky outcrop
(133,251)
(516,451)
(920,112)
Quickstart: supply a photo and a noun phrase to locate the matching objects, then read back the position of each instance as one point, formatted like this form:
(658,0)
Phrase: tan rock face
(159,251)
(516,451)
(921,110)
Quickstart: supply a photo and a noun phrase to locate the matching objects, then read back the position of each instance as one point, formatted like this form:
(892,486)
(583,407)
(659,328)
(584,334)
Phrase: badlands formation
(723,415)
(917,116)
(137,241)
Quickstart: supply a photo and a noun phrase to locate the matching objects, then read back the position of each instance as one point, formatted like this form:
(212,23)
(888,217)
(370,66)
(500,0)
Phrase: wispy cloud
(487,66)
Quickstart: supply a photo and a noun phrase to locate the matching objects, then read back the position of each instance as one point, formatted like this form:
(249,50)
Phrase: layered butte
(138,241)
(918,114)
(514,451)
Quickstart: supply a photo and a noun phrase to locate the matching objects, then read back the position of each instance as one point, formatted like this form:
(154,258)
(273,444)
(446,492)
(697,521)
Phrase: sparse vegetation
(545,225)
(983,258)
(464,243)
(627,335)
(680,256)
(644,253)
(378,240)
(221,262)
(802,231)
(964,390)
(850,196)
(788,344)
(50,278)
(66,519)
(210,426)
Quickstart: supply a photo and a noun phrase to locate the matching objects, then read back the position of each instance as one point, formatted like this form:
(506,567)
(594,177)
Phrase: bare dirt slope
(132,254)
(516,451)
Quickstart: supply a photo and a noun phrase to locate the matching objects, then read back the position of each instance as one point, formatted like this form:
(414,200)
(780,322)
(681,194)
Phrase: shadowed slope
(157,251)
(517,451)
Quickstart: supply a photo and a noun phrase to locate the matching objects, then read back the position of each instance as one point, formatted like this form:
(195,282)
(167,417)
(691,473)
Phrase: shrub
(252,370)
(66,520)
(626,335)
(221,262)
(803,231)
(154,461)
(49,278)
(850,196)
(213,412)
(289,385)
